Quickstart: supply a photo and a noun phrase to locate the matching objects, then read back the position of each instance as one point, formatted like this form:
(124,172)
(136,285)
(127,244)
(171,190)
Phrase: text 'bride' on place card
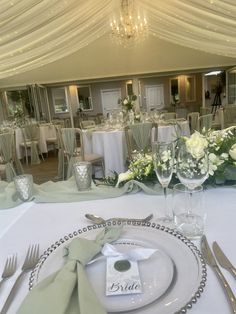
(122,277)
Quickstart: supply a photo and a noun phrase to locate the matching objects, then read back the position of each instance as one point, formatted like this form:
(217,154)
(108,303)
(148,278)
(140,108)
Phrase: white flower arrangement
(17,114)
(221,148)
(128,102)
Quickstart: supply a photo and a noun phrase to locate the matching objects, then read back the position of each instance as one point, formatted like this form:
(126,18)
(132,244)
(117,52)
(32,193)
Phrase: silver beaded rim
(172,232)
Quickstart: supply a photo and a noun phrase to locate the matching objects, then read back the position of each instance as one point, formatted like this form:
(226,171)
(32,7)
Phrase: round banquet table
(112,144)
(46,131)
(109,144)
(46,223)
(170,132)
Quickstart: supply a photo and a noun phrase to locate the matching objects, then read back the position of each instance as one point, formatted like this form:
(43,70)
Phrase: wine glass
(192,167)
(163,160)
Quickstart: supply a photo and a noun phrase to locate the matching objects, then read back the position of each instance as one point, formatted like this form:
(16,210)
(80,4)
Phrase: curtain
(207,25)
(36,32)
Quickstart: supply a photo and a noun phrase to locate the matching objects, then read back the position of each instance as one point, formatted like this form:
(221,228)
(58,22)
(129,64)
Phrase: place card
(122,276)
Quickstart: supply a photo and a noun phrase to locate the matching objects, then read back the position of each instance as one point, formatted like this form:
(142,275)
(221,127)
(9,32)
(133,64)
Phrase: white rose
(125,102)
(125,176)
(224,156)
(165,156)
(232,152)
(215,159)
(196,145)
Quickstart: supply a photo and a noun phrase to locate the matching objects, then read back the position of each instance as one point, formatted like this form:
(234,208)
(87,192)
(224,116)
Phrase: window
(154,97)
(60,100)
(84,98)
(110,99)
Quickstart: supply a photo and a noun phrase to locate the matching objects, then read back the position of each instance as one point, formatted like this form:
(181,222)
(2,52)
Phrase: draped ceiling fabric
(34,33)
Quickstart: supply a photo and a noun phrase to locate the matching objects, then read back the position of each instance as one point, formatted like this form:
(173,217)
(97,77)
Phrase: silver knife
(211,261)
(223,259)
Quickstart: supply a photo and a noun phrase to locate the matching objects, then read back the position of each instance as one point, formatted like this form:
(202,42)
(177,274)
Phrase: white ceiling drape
(207,25)
(36,32)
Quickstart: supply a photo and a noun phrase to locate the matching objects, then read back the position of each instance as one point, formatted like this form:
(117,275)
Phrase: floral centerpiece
(221,148)
(222,154)
(128,102)
(17,114)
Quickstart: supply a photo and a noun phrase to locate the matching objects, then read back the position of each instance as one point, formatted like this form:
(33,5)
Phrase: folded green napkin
(68,291)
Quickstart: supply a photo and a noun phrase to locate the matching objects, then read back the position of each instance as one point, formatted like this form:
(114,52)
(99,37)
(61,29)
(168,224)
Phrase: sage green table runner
(66,191)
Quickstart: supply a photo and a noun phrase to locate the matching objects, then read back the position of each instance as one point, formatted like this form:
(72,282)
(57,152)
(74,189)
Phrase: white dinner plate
(173,278)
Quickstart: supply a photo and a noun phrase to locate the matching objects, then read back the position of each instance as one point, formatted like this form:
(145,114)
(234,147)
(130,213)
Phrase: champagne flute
(192,166)
(163,160)
(192,170)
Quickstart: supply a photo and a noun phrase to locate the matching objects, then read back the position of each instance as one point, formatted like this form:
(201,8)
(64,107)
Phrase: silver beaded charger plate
(175,291)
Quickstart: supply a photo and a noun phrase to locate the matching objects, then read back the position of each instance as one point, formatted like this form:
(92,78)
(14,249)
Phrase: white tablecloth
(112,144)
(168,133)
(46,131)
(46,223)
(109,144)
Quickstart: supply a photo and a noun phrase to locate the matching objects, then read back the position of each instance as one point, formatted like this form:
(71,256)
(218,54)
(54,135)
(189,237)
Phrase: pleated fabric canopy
(37,32)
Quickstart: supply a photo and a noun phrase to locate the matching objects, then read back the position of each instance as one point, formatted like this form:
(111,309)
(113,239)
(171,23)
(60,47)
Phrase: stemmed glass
(192,167)
(163,160)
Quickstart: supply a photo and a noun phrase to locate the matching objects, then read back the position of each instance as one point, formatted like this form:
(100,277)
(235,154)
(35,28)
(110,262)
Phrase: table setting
(109,140)
(53,239)
(115,248)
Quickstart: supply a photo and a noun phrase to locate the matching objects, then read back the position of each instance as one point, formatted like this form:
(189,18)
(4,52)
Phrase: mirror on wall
(60,99)
(174,90)
(190,88)
(84,97)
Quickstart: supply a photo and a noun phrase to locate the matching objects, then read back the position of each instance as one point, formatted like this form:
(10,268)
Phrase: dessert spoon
(100,220)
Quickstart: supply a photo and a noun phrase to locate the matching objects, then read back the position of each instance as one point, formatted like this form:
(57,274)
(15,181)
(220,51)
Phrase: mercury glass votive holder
(24,186)
(83,175)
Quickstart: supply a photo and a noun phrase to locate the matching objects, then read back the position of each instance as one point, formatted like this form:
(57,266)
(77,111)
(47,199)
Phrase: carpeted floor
(45,171)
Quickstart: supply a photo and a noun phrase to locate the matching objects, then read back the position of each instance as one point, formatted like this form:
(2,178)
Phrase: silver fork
(31,260)
(9,268)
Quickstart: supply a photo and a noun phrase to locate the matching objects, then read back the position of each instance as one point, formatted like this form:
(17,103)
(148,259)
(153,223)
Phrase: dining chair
(52,142)
(73,153)
(227,116)
(16,161)
(138,138)
(31,136)
(58,122)
(87,124)
(205,122)
(193,120)
(61,165)
(100,118)
(67,123)
(7,155)
(169,115)
(205,110)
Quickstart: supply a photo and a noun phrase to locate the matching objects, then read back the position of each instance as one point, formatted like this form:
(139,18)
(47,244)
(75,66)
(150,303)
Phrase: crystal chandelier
(131,28)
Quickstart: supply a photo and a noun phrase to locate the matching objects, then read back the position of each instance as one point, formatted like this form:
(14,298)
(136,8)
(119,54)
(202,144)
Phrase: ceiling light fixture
(131,28)
(213,73)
